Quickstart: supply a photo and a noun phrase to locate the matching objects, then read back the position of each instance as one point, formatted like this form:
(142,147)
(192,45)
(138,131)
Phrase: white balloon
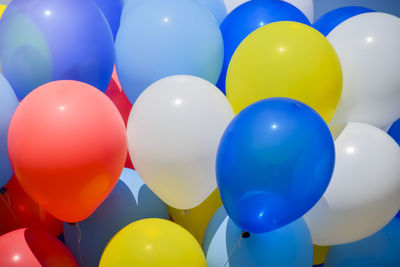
(364,193)
(368,47)
(174,131)
(305,6)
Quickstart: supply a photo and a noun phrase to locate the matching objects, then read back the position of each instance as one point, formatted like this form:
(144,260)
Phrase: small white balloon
(364,193)
(174,131)
(368,48)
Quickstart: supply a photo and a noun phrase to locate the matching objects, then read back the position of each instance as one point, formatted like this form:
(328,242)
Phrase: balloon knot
(245,234)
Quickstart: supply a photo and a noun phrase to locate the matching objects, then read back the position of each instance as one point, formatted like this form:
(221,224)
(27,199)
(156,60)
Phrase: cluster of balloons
(198,133)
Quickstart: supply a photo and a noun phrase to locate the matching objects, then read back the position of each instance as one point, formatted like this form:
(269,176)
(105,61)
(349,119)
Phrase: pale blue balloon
(285,247)
(131,200)
(379,250)
(8,104)
(161,38)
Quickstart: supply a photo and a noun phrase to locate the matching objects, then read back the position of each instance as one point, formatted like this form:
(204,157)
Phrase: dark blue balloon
(274,162)
(112,10)
(330,20)
(48,40)
(248,17)
(394,131)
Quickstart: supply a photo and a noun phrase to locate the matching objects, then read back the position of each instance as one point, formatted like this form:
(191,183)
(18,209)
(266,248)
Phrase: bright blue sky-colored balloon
(285,247)
(274,162)
(248,17)
(8,104)
(330,20)
(130,200)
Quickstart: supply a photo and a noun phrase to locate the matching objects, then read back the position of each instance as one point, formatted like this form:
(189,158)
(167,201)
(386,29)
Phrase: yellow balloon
(196,220)
(285,59)
(320,254)
(153,242)
(2,8)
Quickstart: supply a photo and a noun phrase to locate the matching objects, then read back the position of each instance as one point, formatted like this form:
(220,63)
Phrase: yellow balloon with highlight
(196,220)
(153,242)
(285,59)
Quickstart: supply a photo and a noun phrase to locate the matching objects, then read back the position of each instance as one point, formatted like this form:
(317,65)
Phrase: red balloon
(18,210)
(118,97)
(67,145)
(33,248)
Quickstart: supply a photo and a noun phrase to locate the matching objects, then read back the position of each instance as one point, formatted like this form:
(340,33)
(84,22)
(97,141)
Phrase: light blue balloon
(285,247)
(216,7)
(161,38)
(379,250)
(131,200)
(8,104)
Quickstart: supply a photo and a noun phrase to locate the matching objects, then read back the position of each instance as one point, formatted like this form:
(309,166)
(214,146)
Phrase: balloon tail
(233,249)
(189,225)
(79,237)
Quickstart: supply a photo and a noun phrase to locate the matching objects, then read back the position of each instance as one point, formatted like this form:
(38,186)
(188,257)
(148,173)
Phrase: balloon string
(233,250)
(7,201)
(79,237)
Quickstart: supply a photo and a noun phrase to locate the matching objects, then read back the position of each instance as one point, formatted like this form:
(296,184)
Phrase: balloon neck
(245,234)
(3,190)
(72,223)
(186,212)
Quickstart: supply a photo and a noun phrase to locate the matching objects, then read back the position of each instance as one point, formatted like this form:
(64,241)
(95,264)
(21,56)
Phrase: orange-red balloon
(18,210)
(28,247)
(67,145)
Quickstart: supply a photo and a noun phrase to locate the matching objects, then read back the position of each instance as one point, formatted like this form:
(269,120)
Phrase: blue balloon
(274,162)
(285,247)
(47,40)
(8,104)
(112,11)
(394,131)
(160,38)
(379,250)
(330,20)
(248,17)
(131,200)
(216,7)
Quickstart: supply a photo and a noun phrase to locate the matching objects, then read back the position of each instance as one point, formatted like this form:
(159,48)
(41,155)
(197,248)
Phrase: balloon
(27,247)
(285,247)
(157,242)
(285,59)
(364,194)
(332,19)
(131,200)
(8,104)
(216,7)
(249,17)
(2,8)
(320,255)
(46,40)
(18,210)
(196,220)
(274,162)
(380,249)
(173,134)
(394,131)
(67,145)
(367,46)
(160,38)
(112,11)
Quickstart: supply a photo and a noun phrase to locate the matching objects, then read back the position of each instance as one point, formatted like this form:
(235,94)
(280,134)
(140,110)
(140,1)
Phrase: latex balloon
(332,19)
(380,249)
(18,210)
(288,246)
(32,54)
(367,46)
(2,8)
(364,194)
(112,11)
(131,200)
(274,162)
(301,64)
(173,134)
(67,145)
(160,38)
(27,247)
(394,131)
(249,17)
(216,7)
(157,242)
(8,104)
(320,255)
(196,220)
